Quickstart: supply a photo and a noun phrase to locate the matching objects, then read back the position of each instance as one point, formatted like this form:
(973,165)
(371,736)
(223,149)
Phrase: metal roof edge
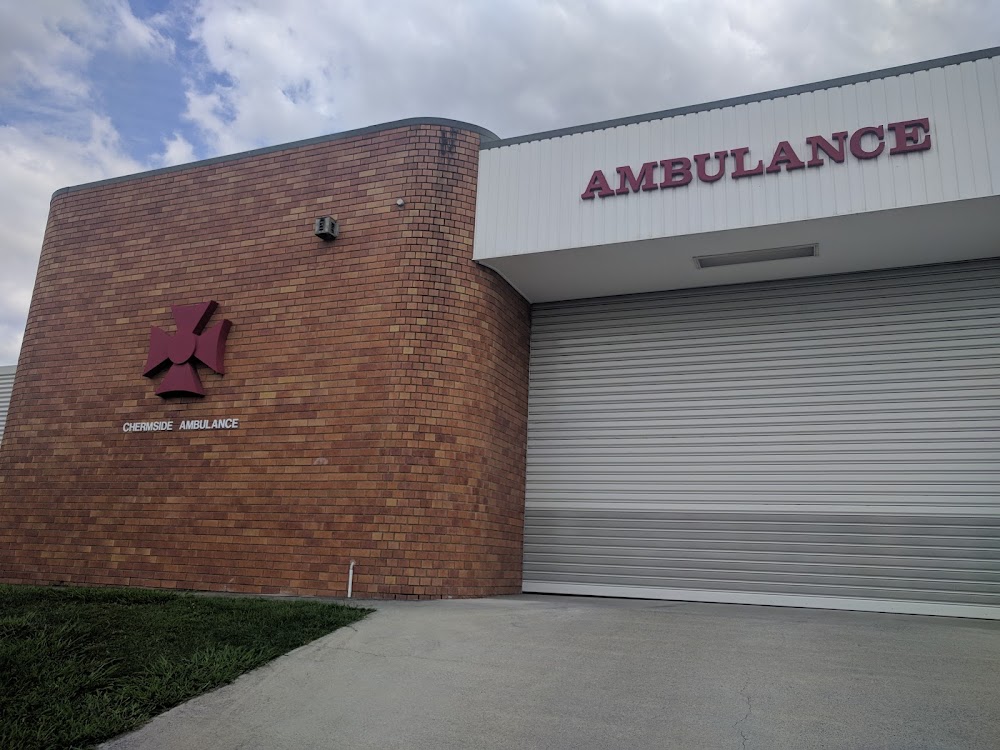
(939,62)
(407,122)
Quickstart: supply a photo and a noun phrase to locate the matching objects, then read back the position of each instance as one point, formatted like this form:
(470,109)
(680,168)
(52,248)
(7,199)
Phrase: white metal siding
(6,385)
(528,197)
(827,442)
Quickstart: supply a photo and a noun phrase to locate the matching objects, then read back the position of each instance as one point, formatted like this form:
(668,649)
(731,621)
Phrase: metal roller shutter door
(6,386)
(827,442)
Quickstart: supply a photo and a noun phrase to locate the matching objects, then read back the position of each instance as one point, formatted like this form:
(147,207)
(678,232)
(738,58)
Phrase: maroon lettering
(785,154)
(677,172)
(740,155)
(701,161)
(864,143)
(647,177)
(906,135)
(859,151)
(598,184)
(819,143)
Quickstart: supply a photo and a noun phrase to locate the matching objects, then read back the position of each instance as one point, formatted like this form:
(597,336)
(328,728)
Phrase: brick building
(738,352)
(380,381)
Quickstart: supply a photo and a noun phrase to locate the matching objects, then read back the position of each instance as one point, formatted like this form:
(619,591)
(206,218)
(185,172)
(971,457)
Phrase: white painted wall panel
(529,193)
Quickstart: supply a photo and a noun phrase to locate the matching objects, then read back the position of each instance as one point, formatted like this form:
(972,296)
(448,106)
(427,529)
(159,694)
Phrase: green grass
(82,665)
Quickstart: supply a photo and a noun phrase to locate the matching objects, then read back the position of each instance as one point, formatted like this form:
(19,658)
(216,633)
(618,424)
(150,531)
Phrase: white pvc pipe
(350,580)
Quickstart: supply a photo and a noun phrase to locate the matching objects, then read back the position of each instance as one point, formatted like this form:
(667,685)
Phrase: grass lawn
(82,665)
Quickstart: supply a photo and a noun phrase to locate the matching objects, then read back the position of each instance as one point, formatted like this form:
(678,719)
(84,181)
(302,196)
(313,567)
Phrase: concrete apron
(572,672)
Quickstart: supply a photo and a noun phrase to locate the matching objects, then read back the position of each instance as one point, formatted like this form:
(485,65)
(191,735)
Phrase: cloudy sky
(97,88)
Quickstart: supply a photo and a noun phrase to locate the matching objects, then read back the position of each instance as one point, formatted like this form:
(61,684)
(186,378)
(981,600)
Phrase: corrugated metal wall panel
(833,439)
(528,199)
(6,386)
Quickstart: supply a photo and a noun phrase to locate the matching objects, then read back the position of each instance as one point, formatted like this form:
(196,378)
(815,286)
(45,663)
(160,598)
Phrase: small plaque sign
(167,425)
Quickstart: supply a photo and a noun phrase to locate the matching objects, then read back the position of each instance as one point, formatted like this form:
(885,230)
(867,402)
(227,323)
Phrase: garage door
(829,442)
(6,386)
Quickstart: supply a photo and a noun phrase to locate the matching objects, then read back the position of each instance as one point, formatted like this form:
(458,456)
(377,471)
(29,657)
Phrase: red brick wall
(380,382)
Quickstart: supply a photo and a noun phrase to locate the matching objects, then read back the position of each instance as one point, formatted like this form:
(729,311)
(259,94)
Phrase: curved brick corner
(380,381)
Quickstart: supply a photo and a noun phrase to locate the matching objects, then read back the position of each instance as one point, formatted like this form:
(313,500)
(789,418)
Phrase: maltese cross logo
(189,344)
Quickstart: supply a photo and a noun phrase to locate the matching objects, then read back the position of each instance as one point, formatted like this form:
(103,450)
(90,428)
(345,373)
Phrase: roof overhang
(944,232)
(895,169)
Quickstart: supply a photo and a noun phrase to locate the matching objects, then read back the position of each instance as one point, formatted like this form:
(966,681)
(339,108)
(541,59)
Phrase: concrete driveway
(567,672)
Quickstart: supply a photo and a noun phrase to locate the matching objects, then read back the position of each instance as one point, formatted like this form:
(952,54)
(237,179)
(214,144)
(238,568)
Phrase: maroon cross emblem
(191,343)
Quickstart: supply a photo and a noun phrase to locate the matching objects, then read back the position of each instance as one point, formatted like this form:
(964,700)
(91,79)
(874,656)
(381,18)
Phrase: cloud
(126,33)
(40,40)
(51,133)
(176,150)
(35,165)
(47,43)
(298,68)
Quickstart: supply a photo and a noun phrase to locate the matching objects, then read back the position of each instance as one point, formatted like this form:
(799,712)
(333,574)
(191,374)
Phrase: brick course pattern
(380,382)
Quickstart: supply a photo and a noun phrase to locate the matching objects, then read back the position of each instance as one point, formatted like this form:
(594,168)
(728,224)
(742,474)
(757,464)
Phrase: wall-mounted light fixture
(326,228)
(756,256)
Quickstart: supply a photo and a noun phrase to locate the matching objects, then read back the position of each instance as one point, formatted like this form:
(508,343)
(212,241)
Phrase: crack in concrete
(438,659)
(746,716)
(359,651)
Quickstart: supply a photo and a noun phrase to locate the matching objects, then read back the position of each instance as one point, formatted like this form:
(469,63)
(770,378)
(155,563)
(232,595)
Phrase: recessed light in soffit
(756,256)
